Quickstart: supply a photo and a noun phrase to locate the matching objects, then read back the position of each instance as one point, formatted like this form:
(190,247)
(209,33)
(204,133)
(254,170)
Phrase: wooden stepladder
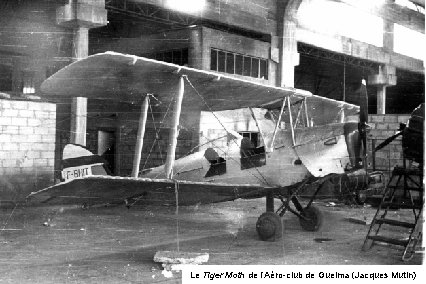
(390,228)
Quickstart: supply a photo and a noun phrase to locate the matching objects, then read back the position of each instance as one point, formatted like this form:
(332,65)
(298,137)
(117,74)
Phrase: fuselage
(317,151)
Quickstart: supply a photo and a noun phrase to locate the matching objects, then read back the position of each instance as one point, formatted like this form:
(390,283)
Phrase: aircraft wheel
(269,227)
(314,221)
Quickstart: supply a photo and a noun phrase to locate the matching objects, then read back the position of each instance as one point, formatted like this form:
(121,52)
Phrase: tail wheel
(313,219)
(269,227)
(360,197)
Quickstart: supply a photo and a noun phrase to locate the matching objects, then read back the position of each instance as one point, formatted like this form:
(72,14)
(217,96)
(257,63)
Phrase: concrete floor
(116,245)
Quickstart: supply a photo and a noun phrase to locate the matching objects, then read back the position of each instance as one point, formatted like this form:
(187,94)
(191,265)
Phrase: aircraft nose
(354,144)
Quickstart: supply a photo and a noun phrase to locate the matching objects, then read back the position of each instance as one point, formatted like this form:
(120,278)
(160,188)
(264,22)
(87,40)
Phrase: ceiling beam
(257,16)
(393,13)
(402,16)
(358,49)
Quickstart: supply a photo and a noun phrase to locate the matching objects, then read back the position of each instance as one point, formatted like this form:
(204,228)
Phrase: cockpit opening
(251,156)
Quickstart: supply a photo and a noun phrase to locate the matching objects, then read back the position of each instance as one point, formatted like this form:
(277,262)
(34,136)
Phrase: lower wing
(92,190)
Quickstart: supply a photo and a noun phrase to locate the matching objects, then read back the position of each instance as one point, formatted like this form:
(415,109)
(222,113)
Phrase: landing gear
(269,227)
(311,219)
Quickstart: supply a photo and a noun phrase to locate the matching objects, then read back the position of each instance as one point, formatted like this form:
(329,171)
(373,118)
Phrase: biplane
(304,140)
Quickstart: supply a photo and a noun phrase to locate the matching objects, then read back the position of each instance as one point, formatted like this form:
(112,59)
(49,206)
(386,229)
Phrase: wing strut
(298,114)
(174,130)
(271,147)
(291,121)
(308,124)
(257,123)
(139,138)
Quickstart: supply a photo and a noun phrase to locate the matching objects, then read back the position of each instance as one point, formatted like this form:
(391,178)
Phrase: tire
(315,219)
(269,227)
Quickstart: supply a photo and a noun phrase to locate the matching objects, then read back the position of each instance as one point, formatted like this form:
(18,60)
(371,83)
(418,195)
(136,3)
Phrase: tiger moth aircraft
(305,141)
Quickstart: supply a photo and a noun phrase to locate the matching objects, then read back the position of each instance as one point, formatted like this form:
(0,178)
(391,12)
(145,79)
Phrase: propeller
(363,126)
(356,133)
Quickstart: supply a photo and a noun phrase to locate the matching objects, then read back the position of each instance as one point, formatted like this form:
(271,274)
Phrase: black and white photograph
(212,141)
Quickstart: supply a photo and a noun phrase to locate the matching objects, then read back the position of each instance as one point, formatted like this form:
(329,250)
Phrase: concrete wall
(27,147)
(239,44)
(199,41)
(258,16)
(32,45)
(143,45)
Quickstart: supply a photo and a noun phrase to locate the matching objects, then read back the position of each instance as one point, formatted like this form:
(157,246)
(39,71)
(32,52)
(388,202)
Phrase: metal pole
(139,138)
(171,151)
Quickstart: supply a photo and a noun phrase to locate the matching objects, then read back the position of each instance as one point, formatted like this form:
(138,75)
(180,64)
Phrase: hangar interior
(325,47)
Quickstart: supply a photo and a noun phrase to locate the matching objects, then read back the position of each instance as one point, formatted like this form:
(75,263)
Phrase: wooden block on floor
(361,220)
(179,257)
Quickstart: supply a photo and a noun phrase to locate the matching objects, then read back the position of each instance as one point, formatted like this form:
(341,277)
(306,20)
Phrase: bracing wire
(220,122)
(157,132)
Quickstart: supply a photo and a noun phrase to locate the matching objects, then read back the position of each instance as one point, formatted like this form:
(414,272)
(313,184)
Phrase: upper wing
(123,77)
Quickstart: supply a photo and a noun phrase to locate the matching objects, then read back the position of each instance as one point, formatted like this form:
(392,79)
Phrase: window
(230,61)
(263,69)
(246,66)
(28,82)
(221,61)
(213,60)
(5,78)
(255,67)
(234,63)
(177,56)
(238,64)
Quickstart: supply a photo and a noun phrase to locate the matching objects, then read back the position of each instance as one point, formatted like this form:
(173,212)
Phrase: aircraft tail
(77,162)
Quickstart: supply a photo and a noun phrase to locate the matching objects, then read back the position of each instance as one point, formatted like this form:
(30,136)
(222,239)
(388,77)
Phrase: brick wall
(384,126)
(27,147)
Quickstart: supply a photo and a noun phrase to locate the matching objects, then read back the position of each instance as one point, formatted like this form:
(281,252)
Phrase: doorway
(106,148)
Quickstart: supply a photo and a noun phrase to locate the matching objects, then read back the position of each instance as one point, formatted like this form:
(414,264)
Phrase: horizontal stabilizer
(77,162)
